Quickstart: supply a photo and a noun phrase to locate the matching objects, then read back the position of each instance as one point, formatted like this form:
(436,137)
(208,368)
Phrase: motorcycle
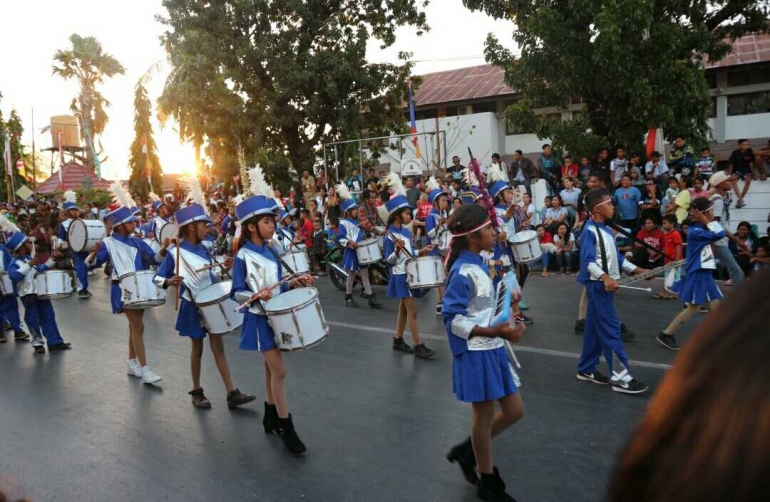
(379,273)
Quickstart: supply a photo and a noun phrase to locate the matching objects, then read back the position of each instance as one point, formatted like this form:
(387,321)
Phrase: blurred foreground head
(706,434)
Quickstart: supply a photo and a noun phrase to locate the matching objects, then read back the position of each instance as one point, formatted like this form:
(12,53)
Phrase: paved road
(74,426)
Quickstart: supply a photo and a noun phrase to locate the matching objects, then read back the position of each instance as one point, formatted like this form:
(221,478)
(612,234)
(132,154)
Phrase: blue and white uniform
(350,231)
(255,268)
(697,287)
(502,251)
(38,313)
(283,238)
(397,285)
(602,332)
(480,367)
(434,230)
(78,257)
(9,306)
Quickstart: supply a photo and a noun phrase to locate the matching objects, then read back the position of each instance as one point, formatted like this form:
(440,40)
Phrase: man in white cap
(719,184)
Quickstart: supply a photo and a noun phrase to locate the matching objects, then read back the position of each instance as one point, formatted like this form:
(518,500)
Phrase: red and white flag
(143,142)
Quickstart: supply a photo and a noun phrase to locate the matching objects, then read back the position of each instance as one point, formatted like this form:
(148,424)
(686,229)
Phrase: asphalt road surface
(74,426)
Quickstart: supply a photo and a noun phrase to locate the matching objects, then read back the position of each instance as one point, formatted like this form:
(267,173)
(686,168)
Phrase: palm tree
(90,65)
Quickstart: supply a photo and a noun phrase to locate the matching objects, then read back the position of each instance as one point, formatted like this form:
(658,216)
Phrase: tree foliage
(14,129)
(633,64)
(283,77)
(87,63)
(138,160)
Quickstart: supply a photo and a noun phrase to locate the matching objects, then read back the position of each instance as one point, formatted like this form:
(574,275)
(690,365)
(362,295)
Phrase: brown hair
(706,434)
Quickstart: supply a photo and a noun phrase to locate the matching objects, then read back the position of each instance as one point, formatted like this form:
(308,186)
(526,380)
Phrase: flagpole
(34,169)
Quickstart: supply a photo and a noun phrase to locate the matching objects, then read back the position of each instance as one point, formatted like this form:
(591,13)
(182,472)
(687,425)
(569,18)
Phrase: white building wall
(748,126)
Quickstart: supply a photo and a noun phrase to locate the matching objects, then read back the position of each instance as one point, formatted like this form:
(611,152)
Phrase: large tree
(14,129)
(634,64)
(143,156)
(87,62)
(283,77)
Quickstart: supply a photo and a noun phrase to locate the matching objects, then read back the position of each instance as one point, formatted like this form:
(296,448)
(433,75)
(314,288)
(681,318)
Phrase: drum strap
(602,249)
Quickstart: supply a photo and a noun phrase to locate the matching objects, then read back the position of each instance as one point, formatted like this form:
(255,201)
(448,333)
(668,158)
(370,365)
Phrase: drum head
(523,236)
(214,292)
(168,231)
(291,299)
(77,235)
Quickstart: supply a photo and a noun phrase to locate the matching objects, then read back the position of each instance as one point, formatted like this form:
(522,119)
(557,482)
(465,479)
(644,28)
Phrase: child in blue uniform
(38,312)
(697,287)
(600,265)
(193,255)
(9,305)
(255,269)
(398,249)
(127,254)
(435,226)
(481,372)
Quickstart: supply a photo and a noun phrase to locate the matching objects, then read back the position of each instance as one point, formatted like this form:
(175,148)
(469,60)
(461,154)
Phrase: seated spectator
(618,167)
(682,157)
(529,209)
(673,247)
(652,236)
(547,246)
(549,167)
(626,199)
(764,241)
(565,248)
(585,170)
(744,234)
(697,189)
(569,169)
(570,196)
(670,196)
(555,214)
(682,201)
(761,260)
(523,171)
(635,165)
(656,169)
(637,180)
(650,204)
(704,166)
(545,208)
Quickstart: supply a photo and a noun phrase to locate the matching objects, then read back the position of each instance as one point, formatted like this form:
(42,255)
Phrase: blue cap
(434,194)
(15,240)
(191,213)
(121,215)
(135,210)
(397,202)
(70,205)
(348,204)
(274,204)
(156,204)
(253,206)
(469,196)
(498,187)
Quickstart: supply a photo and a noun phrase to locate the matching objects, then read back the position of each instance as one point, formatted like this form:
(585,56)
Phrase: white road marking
(521,348)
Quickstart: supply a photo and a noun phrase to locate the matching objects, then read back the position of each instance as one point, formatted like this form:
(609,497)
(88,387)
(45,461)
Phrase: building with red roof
(74,176)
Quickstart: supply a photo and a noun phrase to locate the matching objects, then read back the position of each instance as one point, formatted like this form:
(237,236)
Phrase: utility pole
(34,167)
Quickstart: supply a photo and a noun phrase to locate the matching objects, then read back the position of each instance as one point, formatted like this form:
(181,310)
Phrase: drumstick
(176,273)
(270,288)
(209,267)
(396,239)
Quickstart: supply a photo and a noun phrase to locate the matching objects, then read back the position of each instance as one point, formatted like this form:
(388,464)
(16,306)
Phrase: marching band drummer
(398,249)
(78,258)
(435,226)
(284,236)
(162,216)
(127,254)
(38,312)
(194,255)
(255,269)
(9,306)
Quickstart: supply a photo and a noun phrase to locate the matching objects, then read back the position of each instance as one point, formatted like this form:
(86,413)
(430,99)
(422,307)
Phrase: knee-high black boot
(291,441)
(463,455)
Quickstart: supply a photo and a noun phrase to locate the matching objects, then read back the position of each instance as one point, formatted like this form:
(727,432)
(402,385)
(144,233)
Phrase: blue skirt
(350,259)
(116,298)
(397,286)
(256,333)
(482,375)
(188,322)
(697,288)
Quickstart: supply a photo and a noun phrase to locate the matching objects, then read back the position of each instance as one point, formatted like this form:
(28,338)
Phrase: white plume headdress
(238,199)
(469,177)
(119,194)
(7,226)
(257,183)
(343,191)
(70,196)
(195,192)
(432,184)
(495,173)
(395,184)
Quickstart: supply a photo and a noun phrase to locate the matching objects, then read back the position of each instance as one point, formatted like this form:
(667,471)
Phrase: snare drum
(54,284)
(425,272)
(169,230)
(6,285)
(83,234)
(525,246)
(217,310)
(368,251)
(297,319)
(154,245)
(139,292)
(296,260)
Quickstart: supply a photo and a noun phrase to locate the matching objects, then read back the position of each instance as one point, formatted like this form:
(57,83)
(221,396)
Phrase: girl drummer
(127,255)
(257,277)
(191,280)
(349,235)
(481,370)
(398,250)
(435,226)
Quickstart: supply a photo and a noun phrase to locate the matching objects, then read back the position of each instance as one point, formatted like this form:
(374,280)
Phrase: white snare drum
(139,292)
(6,285)
(54,284)
(425,272)
(217,310)
(83,234)
(297,319)
(154,245)
(296,260)
(169,230)
(368,251)
(525,246)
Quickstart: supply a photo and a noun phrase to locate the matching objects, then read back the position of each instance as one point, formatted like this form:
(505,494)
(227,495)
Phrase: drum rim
(215,300)
(69,234)
(528,232)
(313,298)
(135,272)
(423,258)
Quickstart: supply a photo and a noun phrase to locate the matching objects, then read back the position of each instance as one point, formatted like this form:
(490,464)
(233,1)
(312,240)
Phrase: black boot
(492,488)
(373,303)
(463,455)
(270,418)
(291,441)
(350,302)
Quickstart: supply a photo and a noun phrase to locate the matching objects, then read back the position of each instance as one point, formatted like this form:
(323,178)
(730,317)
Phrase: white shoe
(134,369)
(149,377)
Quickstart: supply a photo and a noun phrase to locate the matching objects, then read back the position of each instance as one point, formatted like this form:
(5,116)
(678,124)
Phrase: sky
(33,30)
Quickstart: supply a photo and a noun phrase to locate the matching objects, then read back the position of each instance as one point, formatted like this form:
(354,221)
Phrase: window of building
(426,114)
(487,106)
(748,77)
(711,78)
(713,108)
(451,111)
(748,104)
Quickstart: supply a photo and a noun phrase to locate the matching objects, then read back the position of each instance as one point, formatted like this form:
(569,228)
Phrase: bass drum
(83,234)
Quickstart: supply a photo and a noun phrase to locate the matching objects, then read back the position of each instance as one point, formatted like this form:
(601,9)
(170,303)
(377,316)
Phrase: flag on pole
(143,142)
(413,122)
(7,155)
(61,162)
(654,141)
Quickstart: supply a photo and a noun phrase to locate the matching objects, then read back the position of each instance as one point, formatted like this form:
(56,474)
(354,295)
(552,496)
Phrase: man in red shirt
(652,236)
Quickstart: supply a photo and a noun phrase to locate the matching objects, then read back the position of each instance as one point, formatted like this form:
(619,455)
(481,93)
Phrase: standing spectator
(656,169)
(681,158)
(319,247)
(355,183)
(565,248)
(720,183)
(627,199)
(372,178)
(367,213)
(697,189)
(704,166)
(333,206)
(669,196)
(321,200)
(682,202)
(742,164)
(305,228)
(650,204)
(456,169)
(673,247)
(524,170)
(308,186)
(618,166)
(602,164)
(585,170)
(548,167)
(382,210)
(569,169)
(412,192)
